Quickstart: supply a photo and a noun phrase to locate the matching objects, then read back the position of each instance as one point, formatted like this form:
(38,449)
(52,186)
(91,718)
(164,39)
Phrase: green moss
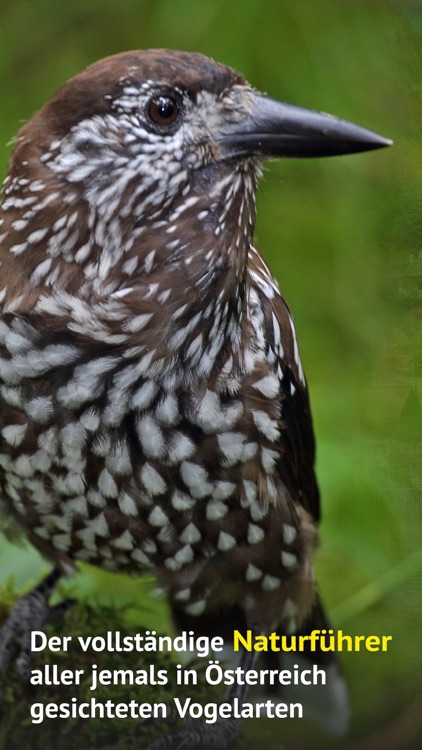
(87,619)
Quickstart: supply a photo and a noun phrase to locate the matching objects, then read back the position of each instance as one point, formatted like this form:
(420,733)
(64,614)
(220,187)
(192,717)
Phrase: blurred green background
(343,238)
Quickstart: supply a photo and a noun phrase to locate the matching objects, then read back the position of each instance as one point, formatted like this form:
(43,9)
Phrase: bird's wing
(297,455)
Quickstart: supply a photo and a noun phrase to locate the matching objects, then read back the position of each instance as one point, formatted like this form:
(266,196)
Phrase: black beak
(277,129)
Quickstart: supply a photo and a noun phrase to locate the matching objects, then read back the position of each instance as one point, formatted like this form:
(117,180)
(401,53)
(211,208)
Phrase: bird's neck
(192,268)
(180,280)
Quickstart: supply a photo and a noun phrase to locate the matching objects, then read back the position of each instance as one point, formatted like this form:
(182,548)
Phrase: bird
(154,413)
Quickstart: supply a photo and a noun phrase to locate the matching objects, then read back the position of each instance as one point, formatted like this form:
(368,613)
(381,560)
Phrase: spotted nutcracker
(154,413)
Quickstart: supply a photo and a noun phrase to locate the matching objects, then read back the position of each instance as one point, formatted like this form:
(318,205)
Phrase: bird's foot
(195,734)
(31,612)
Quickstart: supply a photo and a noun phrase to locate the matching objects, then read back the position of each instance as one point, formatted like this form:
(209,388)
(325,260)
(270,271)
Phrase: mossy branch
(86,619)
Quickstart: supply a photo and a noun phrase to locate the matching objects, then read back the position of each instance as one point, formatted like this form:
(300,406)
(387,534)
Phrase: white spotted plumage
(147,359)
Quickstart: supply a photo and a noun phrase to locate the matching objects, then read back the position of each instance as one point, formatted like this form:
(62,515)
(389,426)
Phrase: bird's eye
(164,110)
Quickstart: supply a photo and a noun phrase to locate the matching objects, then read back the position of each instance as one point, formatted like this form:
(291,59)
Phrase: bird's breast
(104,463)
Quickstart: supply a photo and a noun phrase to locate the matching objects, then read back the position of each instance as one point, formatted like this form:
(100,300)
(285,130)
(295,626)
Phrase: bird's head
(141,127)
(143,146)
(155,120)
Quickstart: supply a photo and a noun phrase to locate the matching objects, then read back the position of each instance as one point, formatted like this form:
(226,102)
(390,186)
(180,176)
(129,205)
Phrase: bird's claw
(31,612)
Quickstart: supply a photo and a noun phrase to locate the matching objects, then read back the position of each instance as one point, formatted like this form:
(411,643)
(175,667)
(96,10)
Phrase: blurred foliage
(337,233)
